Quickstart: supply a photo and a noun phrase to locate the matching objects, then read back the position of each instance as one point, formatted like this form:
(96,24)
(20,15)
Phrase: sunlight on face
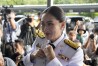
(51,27)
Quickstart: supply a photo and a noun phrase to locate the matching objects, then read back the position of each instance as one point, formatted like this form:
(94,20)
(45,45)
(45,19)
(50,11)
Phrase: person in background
(9,27)
(81,31)
(77,24)
(5,61)
(38,20)
(72,36)
(91,45)
(19,52)
(1,34)
(28,33)
(0,19)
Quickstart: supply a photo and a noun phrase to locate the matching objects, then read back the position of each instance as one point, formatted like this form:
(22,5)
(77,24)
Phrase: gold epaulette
(71,44)
(41,34)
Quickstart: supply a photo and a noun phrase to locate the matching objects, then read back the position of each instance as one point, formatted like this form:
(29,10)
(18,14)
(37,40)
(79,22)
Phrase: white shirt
(76,60)
(10,33)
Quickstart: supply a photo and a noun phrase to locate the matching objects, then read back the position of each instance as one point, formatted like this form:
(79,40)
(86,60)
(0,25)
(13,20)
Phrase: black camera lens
(92,36)
(6,11)
(29,19)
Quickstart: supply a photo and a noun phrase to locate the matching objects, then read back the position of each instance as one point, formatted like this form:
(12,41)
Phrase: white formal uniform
(75,56)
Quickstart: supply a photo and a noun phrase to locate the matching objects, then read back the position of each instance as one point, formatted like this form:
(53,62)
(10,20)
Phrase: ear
(63,24)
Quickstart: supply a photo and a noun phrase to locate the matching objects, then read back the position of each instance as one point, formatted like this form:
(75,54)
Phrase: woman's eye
(49,24)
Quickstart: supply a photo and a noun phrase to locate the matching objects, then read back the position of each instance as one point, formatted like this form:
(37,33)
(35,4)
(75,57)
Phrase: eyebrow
(47,21)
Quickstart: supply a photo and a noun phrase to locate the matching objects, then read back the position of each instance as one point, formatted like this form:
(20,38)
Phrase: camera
(28,19)
(92,36)
(6,9)
(96,30)
(17,56)
(4,12)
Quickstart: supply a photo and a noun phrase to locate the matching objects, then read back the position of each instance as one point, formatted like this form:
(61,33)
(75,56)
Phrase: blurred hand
(18,59)
(39,53)
(49,52)
(11,15)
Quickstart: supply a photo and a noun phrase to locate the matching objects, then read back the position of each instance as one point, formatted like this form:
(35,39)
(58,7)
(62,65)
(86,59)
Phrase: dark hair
(56,11)
(96,52)
(95,30)
(9,49)
(20,41)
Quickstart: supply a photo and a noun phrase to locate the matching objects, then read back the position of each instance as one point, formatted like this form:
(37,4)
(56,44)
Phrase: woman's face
(51,27)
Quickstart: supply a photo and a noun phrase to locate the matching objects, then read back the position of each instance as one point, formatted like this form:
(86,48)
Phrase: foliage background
(44,2)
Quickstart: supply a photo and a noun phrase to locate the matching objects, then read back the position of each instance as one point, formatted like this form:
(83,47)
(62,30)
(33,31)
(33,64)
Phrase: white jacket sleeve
(26,60)
(54,62)
(77,59)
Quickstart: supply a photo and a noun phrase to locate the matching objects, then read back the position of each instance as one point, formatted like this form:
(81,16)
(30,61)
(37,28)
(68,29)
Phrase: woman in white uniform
(60,53)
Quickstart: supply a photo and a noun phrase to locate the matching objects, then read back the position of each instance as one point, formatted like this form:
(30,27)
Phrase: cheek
(56,32)
(70,36)
(48,29)
(51,33)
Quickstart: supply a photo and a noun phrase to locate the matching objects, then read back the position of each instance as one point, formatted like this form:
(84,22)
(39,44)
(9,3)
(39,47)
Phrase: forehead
(72,33)
(47,17)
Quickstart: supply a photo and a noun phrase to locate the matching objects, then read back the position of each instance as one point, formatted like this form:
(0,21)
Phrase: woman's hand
(49,52)
(38,53)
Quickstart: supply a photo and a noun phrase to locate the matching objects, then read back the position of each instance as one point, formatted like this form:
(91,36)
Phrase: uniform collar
(58,40)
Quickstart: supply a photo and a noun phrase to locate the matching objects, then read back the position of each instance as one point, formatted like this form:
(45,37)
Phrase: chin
(49,37)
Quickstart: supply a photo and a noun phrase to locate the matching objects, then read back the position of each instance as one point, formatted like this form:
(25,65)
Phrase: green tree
(74,1)
(22,2)
(43,2)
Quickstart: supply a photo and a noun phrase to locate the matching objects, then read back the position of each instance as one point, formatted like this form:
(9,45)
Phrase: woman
(53,24)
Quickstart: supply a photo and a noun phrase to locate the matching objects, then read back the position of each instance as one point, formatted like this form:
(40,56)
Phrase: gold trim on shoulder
(71,44)
(41,34)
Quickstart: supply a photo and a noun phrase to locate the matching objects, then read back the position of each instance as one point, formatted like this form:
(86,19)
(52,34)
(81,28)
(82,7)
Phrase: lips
(47,34)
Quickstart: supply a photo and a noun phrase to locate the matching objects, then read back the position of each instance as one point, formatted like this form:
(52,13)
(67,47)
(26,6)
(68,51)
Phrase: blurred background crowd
(18,31)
